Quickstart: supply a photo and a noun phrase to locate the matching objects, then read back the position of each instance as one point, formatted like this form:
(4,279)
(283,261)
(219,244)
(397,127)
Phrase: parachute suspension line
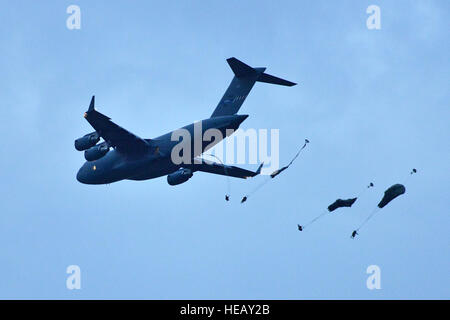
(389,195)
(315,219)
(368,218)
(259,186)
(303,147)
(274,174)
(227,195)
(371,185)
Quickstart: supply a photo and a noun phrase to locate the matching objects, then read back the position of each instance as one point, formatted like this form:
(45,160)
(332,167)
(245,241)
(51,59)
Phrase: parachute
(390,194)
(339,203)
(275,173)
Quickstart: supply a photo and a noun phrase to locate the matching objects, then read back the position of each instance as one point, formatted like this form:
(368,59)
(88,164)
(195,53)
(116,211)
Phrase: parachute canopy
(339,203)
(277,172)
(392,193)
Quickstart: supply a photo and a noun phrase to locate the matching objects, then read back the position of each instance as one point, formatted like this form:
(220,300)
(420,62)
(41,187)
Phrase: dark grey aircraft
(123,155)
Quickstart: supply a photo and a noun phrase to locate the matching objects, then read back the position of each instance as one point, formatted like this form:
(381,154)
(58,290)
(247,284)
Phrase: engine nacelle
(96,152)
(180,176)
(87,141)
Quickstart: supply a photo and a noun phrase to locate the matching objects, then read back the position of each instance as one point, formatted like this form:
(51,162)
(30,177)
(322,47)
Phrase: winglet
(259,169)
(257,172)
(92,104)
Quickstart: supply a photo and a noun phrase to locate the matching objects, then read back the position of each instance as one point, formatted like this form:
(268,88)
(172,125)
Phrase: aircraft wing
(217,168)
(113,134)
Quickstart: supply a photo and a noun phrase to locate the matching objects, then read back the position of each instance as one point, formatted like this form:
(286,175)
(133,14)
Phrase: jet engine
(87,141)
(96,152)
(179,176)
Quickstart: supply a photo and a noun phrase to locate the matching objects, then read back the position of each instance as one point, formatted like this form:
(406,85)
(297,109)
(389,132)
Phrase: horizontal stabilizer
(267,78)
(241,70)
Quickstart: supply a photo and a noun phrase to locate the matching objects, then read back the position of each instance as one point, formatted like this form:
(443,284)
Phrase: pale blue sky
(373,103)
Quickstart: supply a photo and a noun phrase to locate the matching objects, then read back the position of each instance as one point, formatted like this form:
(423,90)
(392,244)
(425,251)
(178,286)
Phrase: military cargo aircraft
(124,156)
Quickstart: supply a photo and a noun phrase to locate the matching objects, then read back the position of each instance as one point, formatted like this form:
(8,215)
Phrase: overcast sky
(373,103)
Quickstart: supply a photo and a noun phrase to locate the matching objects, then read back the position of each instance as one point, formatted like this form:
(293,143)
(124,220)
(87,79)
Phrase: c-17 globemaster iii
(123,155)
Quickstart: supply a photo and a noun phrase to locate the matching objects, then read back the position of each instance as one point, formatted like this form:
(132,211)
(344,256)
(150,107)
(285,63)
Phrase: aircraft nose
(81,175)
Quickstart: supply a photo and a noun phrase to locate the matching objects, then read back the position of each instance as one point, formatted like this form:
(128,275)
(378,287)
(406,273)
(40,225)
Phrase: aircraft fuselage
(157,161)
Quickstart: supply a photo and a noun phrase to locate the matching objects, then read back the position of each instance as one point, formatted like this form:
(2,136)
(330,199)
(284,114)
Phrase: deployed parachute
(275,173)
(339,203)
(390,194)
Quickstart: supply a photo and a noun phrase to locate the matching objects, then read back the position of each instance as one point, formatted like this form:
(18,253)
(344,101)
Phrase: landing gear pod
(180,176)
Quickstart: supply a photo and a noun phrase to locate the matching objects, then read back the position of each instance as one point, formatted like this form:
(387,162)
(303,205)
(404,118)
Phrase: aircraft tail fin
(241,69)
(243,81)
(259,169)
